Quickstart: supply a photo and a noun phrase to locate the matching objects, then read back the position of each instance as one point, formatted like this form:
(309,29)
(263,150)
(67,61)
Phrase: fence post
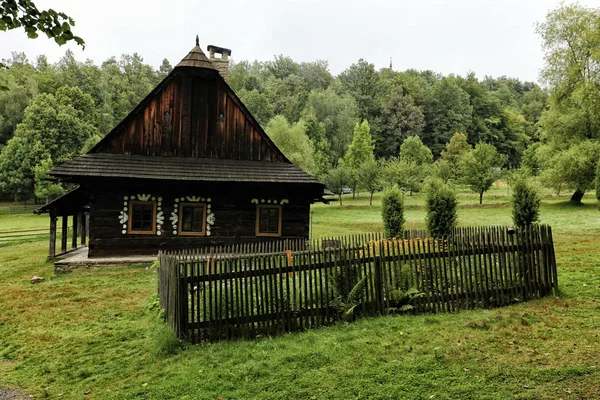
(378,285)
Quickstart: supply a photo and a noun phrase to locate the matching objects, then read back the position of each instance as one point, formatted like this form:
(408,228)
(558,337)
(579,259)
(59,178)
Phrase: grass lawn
(88,334)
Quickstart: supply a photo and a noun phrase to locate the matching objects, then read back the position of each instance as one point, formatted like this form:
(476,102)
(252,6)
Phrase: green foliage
(530,160)
(338,178)
(481,167)
(292,141)
(258,104)
(316,133)
(414,151)
(401,118)
(16,170)
(447,111)
(338,114)
(369,176)
(392,212)
(44,187)
(348,288)
(24,13)
(361,81)
(456,148)
(574,168)
(407,175)
(360,150)
(53,131)
(444,170)
(525,203)
(571,36)
(441,207)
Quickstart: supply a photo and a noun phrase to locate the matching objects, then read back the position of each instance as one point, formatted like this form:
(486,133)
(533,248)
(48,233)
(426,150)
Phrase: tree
(44,187)
(316,133)
(338,114)
(359,151)
(337,179)
(573,168)
(456,148)
(441,204)
(410,169)
(407,175)
(392,212)
(258,104)
(525,202)
(571,36)
(23,13)
(292,141)
(443,170)
(530,160)
(447,111)
(401,118)
(361,148)
(481,167)
(361,81)
(413,150)
(16,171)
(55,128)
(369,174)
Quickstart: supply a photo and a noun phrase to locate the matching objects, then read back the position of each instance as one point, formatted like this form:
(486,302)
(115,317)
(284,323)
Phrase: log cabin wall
(235,216)
(192,114)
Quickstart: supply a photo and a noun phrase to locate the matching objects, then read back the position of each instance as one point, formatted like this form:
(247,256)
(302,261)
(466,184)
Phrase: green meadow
(92,334)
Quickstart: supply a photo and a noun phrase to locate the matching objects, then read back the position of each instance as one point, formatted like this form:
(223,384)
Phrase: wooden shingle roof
(106,165)
(196,58)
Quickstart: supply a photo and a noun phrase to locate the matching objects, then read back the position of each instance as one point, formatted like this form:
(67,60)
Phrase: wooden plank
(64,233)
(52,240)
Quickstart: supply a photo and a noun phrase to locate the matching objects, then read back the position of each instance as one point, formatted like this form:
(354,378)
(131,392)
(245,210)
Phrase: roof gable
(192,113)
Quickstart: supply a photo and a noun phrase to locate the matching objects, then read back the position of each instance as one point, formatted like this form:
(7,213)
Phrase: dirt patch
(13,394)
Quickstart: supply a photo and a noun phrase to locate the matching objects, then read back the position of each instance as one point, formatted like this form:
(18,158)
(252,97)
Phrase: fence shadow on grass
(285,286)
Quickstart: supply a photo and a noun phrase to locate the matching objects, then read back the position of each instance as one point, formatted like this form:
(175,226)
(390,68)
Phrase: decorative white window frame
(210,216)
(124,214)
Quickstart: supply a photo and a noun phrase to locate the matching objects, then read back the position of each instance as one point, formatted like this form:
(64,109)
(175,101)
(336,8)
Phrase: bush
(392,211)
(441,206)
(525,202)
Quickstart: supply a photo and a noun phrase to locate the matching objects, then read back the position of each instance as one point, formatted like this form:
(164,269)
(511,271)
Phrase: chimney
(219,56)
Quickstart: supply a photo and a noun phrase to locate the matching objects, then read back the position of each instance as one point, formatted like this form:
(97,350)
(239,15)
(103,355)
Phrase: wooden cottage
(188,167)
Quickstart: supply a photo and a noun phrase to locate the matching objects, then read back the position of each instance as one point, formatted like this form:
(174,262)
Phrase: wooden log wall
(230,293)
(235,217)
(192,116)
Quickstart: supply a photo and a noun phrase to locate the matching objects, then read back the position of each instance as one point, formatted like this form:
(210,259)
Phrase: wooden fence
(265,289)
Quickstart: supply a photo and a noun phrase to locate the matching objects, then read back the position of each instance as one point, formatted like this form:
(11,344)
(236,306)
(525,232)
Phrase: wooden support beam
(86,229)
(52,243)
(64,233)
(76,218)
(83,228)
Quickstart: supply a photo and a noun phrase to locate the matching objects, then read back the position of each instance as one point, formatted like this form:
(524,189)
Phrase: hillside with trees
(380,127)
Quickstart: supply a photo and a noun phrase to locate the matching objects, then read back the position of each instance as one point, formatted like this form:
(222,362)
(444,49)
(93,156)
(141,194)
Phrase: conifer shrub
(441,207)
(525,202)
(392,212)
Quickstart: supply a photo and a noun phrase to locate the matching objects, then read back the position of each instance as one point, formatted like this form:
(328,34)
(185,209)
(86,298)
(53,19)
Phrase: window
(142,217)
(268,220)
(192,219)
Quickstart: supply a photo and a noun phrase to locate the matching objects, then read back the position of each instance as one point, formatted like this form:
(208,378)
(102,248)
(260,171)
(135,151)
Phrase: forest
(364,128)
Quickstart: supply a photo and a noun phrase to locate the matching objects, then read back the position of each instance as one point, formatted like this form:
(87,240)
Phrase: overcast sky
(489,37)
